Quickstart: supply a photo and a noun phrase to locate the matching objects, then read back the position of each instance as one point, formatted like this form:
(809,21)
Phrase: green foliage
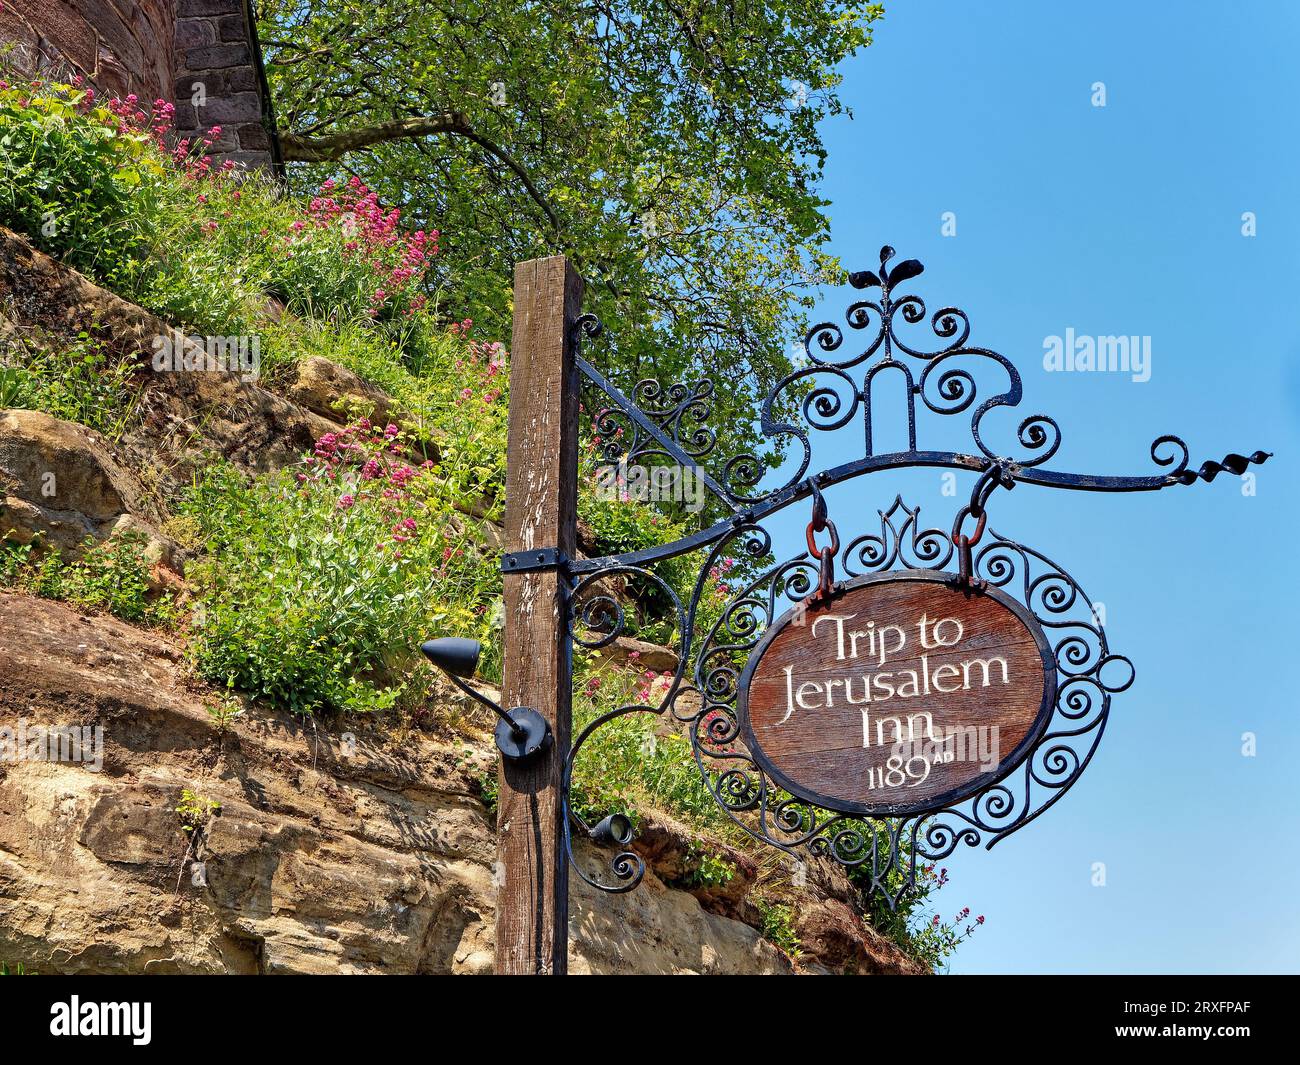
(18,969)
(75,176)
(111,575)
(708,869)
(490,791)
(80,383)
(778,926)
(96,186)
(225,712)
(617,525)
(223,247)
(626,764)
(195,810)
(673,153)
(914,925)
(317,587)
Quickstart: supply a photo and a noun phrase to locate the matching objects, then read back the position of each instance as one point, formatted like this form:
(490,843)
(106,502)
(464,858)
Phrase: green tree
(670,147)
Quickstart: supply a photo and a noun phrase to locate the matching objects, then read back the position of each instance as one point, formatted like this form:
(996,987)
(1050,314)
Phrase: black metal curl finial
(1233,463)
(886,280)
(585,327)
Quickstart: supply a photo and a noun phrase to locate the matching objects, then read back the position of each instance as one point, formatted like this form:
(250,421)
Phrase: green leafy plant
(915,925)
(195,810)
(626,764)
(111,575)
(81,383)
(779,927)
(708,869)
(225,712)
(490,791)
(96,184)
(317,586)
(78,177)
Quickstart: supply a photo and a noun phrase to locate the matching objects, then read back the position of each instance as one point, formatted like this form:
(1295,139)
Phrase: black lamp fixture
(616,828)
(522,733)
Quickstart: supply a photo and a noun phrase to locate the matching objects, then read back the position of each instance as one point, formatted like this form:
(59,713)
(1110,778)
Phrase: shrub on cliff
(317,586)
(97,184)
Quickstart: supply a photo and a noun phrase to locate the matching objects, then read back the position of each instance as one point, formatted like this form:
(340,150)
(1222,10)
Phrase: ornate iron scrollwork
(702,698)
(670,423)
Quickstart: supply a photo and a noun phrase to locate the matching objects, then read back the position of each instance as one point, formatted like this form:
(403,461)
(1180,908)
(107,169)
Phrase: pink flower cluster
(131,117)
(398,261)
(722,589)
(487,359)
(368,462)
(192,157)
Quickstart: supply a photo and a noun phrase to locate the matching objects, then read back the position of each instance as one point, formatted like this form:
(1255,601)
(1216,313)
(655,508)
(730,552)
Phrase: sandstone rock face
(324,388)
(640,655)
(329,854)
(61,482)
(186,414)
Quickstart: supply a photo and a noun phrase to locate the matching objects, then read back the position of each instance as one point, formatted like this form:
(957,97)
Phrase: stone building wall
(123,46)
(200,55)
(217,81)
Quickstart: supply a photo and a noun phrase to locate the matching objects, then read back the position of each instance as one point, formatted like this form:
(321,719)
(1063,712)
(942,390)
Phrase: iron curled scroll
(941,369)
(885,852)
(836,387)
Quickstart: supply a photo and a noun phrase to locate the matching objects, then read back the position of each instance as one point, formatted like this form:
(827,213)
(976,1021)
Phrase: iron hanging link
(821,522)
(819,511)
(995,474)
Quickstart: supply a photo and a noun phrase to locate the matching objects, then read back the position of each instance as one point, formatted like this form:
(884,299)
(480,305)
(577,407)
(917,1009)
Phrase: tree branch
(298,148)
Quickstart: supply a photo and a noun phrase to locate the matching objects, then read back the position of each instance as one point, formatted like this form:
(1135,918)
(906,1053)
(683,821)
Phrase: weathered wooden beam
(541,511)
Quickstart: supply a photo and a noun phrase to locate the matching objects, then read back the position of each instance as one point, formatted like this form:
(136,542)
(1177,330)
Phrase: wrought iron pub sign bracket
(852,724)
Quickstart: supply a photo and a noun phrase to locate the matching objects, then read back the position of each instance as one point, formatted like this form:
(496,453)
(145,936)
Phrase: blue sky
(1123,219)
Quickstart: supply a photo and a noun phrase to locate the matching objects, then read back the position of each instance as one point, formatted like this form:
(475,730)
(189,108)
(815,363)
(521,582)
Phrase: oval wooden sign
(901,696)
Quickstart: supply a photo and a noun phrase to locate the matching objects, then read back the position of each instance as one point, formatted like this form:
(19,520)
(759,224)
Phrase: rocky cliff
(311,848)
(367,852)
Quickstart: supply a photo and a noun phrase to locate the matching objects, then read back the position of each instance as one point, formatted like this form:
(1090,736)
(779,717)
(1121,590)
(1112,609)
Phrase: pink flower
(345,502)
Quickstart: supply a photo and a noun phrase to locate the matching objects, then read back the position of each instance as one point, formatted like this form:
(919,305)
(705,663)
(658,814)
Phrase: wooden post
(532,932)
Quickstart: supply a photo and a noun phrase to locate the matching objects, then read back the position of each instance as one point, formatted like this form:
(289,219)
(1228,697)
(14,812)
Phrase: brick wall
(123,46)
(216,79)
(198,54)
